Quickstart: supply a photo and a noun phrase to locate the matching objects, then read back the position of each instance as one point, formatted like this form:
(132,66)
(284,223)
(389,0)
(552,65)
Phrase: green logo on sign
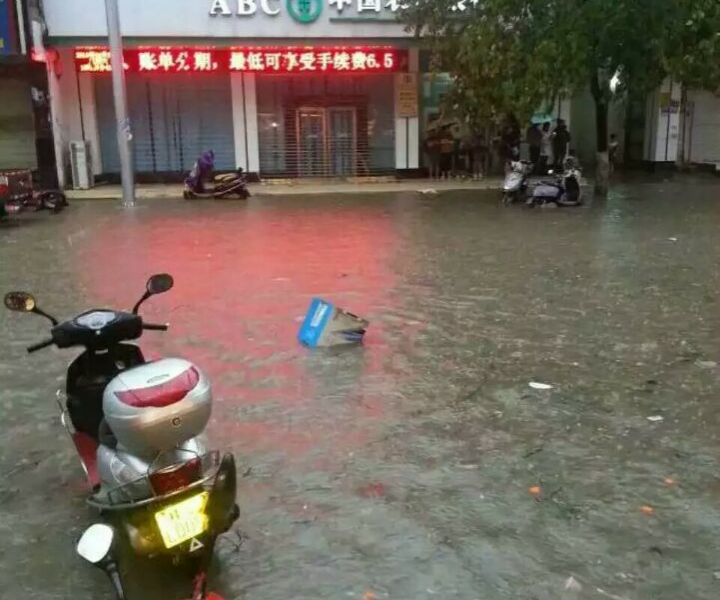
(304,11)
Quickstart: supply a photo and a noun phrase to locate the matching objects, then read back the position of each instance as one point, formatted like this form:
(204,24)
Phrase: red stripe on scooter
(87,449)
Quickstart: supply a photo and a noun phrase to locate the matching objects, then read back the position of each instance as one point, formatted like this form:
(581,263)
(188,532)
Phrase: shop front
(313,92)
(24,124)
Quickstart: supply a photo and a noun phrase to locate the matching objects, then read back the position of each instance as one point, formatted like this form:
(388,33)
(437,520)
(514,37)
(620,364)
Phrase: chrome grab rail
(210,467)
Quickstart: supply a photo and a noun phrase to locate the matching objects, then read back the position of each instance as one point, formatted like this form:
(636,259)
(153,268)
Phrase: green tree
(513,55)
(694,59)
(693,55)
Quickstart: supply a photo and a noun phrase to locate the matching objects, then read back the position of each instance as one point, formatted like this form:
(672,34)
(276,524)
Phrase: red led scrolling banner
(247,60)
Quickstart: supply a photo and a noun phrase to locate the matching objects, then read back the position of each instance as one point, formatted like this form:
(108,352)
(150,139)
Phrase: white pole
(124,131)
(20,12)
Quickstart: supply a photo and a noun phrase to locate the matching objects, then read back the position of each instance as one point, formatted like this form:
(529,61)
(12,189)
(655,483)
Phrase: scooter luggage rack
(209,466)
(121,498)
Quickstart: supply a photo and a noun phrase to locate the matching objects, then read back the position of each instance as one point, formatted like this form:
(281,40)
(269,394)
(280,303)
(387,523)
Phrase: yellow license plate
(183,521)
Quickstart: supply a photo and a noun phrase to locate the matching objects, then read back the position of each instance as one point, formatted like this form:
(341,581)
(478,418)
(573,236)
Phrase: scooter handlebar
(40,346)
(154,327)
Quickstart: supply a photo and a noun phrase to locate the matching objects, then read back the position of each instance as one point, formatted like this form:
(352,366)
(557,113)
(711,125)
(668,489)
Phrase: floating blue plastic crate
(327,325)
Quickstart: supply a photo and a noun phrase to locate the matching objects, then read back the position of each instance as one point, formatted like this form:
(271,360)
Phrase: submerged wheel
(54,201)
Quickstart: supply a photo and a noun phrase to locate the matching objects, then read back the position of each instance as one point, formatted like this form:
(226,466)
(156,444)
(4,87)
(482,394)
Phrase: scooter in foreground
(514,186)
(138,429)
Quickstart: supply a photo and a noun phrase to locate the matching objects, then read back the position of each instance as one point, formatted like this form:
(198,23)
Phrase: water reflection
(243,281)
(403,467)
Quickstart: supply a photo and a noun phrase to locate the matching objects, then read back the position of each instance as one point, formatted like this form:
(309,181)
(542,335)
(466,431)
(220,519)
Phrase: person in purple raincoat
(201,172)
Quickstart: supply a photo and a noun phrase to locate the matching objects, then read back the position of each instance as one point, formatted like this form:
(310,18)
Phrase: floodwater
(422,465)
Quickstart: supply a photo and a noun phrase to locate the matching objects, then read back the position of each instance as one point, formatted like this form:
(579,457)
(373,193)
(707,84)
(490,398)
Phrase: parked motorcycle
(19,196)
(514,186)
(228,185)
(565,190)
(138,430)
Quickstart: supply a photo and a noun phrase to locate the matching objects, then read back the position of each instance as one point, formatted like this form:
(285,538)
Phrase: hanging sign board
(406,95)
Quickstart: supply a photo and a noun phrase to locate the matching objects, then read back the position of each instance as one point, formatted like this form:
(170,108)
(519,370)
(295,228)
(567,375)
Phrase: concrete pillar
(55,117)
(65,103)
(245,121)
(407,129)
(89,119)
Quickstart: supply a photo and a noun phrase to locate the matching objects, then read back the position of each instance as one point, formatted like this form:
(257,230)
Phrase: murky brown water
(403,469)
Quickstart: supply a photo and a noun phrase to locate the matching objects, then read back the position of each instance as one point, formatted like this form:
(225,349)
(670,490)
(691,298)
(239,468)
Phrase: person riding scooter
(201,172)
(230,185)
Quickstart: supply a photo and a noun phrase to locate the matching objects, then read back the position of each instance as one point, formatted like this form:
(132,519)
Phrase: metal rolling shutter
(205,106)
(326,125)
(174,119)
(704,129)
(17,125)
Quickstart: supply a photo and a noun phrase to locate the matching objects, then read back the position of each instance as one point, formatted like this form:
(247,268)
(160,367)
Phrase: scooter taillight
(164,394)
(175,477)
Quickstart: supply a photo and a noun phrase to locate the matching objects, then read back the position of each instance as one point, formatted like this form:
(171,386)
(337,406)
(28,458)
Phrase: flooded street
(422,465)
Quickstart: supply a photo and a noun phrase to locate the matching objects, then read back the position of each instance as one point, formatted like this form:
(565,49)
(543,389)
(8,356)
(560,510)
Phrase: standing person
(510,140)
(447,147)
(458,159)
(560,141)
(612,151)
(432,149)
(534,140)
(475,155)
(545,146)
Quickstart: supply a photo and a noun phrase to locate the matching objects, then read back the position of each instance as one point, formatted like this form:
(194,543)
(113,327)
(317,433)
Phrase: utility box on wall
(81,166)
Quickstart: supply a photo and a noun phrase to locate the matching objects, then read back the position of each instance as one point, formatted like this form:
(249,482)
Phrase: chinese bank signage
(231,19)
(303,11)
(350,59)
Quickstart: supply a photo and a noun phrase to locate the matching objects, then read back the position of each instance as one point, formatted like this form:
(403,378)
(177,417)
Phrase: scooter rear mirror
(95,544)
(20,301)
(25,302)
(157,284)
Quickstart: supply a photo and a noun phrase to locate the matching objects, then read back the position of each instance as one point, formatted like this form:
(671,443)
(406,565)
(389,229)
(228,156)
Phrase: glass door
(341,141)
(326,141)
(312,148)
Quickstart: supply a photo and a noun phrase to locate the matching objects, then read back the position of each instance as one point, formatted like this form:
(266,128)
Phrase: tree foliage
(512,55)
(501,54)
(693,58)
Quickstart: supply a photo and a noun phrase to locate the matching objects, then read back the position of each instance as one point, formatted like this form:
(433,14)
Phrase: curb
(272,190)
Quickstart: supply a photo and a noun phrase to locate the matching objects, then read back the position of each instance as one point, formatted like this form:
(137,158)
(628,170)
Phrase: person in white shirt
(545,149)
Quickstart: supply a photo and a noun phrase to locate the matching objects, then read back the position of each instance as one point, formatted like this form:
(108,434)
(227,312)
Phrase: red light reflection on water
(243,279)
